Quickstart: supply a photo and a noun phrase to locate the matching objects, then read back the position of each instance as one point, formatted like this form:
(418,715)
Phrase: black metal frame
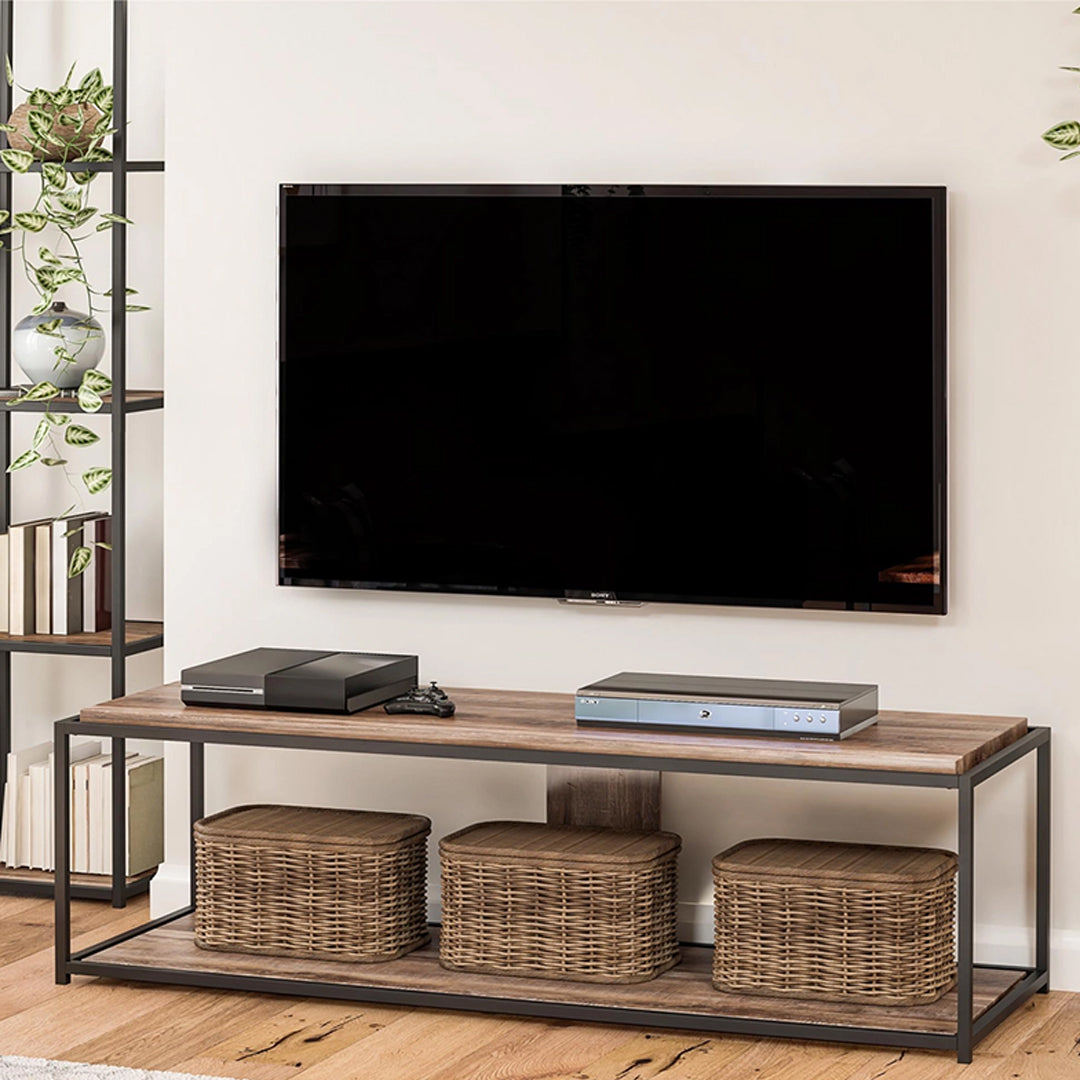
(969,1031)
(117,648)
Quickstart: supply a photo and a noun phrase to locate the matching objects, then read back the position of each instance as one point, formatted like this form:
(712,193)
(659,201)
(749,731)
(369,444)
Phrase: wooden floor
(261,1037)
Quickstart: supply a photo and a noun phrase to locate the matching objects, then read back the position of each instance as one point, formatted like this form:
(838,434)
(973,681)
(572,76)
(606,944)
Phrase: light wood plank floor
(256,1037)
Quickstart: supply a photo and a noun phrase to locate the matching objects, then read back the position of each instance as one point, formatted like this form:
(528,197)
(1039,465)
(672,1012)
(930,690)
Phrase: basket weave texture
(559,902)
(304,881)
(835,922)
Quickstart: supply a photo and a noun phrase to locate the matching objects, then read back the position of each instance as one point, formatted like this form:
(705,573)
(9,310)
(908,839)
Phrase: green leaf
(59,419)
(98,153)
(40,122)
(45,255)
(97,479)
(25,459)
(8,128)
(53,461)
(70,200)
(44,306)
(102,544)
(17,160)
(129,292)
(41,432)
(48,328)
(71,71)
(82,177)
(97,381)
(63,97)
(103,225)
(42,391)
(7,70)
(84,215)
(103,99)
(89,400)
(118,218)
(1064,136)
(138,307)
(80,560)
(56,175)
(31,221)
(91,83)
(77,435)
(39,97)
(1075,153)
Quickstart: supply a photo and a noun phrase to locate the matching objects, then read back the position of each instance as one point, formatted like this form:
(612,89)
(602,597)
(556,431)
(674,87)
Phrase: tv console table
(597,776)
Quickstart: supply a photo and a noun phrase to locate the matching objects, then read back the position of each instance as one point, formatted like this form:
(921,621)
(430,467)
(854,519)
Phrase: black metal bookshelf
(127,637)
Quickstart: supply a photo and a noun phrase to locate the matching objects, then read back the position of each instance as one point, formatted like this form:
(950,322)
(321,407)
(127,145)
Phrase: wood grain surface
(134,632)
(685,988)
(603,798)
(269,1037)
(900,742)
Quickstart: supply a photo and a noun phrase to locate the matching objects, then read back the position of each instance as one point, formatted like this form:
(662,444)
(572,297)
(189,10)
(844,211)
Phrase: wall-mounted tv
(707,394)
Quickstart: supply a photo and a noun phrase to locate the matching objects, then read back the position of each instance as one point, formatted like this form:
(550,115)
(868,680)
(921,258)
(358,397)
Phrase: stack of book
(27,837)
(36,594)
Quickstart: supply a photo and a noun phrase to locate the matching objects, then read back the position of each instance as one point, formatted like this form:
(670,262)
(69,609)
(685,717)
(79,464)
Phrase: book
(77,751)
(17,802)
(99,796)
(40,818)
(80,816)
(43,578)
(21,578)
(67,592)
(146,814)
(3,583)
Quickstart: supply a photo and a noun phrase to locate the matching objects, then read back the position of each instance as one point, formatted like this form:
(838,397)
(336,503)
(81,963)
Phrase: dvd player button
(704,714)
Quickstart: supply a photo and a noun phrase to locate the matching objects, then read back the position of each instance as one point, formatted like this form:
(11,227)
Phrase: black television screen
(700,394)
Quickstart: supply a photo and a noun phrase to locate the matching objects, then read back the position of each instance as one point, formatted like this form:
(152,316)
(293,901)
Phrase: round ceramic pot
(21,137)
(35,353)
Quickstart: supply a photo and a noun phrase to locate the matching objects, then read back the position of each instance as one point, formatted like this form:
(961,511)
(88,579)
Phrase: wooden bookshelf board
(137,633)
(931,743)
(22,873)
(686,988)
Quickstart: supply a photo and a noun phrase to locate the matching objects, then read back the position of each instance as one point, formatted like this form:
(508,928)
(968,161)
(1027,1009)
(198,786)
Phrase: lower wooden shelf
(24,882)
(170,949)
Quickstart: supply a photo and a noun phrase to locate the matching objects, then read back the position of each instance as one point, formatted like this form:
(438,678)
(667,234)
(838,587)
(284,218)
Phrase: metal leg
(1042,861)
(62,890)
(197,782)
(965,919)
(119,822)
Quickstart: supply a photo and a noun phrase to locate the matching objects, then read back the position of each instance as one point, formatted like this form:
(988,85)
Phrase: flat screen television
(710,395)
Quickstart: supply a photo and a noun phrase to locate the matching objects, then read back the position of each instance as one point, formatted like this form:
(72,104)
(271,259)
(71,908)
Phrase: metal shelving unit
(126,637)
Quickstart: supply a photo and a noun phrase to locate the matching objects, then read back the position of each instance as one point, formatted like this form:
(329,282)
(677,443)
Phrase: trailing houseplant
(61,128)
(1066,135)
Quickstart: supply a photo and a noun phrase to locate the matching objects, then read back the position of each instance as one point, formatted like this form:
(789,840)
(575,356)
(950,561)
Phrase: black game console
(342,682)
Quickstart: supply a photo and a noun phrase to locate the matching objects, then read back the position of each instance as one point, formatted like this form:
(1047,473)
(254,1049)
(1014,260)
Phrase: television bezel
(937,197)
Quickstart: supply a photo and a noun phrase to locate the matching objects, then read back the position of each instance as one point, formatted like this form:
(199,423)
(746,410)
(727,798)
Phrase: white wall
(757,92)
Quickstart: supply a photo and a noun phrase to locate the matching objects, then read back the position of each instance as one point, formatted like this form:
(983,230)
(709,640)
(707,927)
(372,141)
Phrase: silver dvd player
(809,710)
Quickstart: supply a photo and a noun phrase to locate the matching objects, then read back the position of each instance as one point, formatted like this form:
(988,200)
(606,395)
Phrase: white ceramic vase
(80,334)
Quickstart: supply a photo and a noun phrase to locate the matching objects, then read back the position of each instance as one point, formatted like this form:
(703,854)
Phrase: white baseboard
(170,889)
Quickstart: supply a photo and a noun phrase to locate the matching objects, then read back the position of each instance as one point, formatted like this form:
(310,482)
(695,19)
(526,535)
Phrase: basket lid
(314,824)
(820,859)
(559,843)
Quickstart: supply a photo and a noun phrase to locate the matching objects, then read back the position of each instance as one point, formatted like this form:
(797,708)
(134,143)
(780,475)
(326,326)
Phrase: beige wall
(757,92)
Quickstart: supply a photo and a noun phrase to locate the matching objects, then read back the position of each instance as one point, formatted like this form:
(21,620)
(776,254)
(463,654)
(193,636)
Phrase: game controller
(428,700)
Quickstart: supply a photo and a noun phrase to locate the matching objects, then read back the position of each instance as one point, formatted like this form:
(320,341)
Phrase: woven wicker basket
(835,922)
(558,902)
(300,881)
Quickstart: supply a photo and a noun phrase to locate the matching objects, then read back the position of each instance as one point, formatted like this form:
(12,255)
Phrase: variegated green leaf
(1066,157)
(48,328)
(40,122)
(70,200)
(17,160)
(129,292)
(8,128)
(59,419)
(102,544)
(97,479)
(4,215)
(91,83)
(41,432)
(103,99)
(77,435)
(98,153)
(38,96)
(67,81)
(53,461)
(82,177)
(56,175)
(138,307)
(7,71)
(1064,136)
(97,381)
(45,255)
(31,221)
(80,560)
(84,215)
(42,391)
(118,218)
(103,225)
(24,460)
(89,400)
(63,97)
(46,303)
